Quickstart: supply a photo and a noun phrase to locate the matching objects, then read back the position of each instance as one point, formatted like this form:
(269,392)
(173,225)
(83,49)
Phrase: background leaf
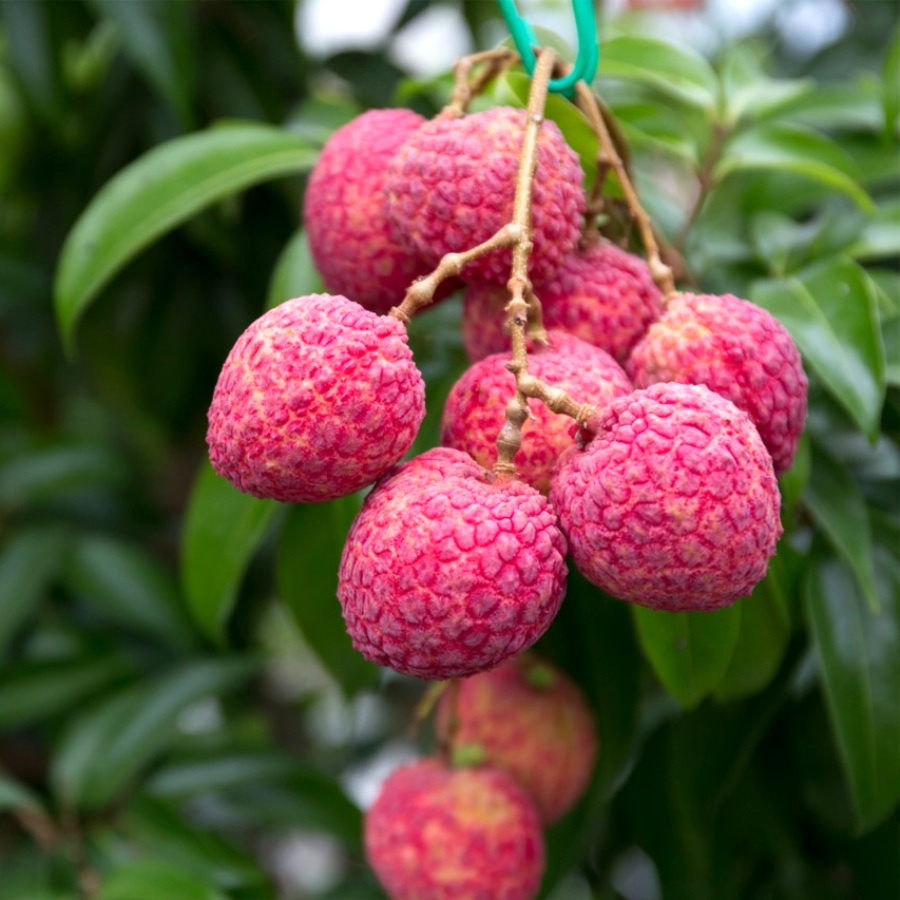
(295,272)
(152,879)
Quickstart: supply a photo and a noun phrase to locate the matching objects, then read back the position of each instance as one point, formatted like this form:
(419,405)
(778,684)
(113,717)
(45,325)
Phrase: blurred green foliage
(171,651)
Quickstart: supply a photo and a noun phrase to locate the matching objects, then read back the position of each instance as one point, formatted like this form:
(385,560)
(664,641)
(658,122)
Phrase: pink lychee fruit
(530,719)
(441,833)
(738,350)
(317,399)
(344,213)
(673,502)
(451,187)
(601,294)
(449,570)
(474,411)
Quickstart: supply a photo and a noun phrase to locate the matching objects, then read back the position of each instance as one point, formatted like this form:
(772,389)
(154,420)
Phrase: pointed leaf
(858,653)
(160,190)
(148,879)
(690,652)
(831,312)
(223,528)
(308,559)
(295,272)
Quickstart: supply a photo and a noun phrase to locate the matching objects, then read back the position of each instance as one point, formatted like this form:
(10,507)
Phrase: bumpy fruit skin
(737,350)
(436,833)
(673,504)
(317,399)
(452,185)
(344,214)
(601,294)
(475,409)
(448,570)
(539,729)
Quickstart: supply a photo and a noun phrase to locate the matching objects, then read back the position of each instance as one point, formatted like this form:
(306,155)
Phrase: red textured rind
(602,295)
(475,409)
(452,186)
(448,571)
(543,736)
(737,350)
(344,214)
(674,503)
(317,399)
(436,833)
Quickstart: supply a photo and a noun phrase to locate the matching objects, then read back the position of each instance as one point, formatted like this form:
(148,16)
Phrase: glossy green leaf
(107,744)
(512,88)
(129,586)
(28,564)
(690,652)
(220,771)
(836,503)
(222,530)
(151,879)
(295,272)
(309,556)
(154,35)
(160,190)
(858,654)
(831,312)
(789,148)
(891,86)
(33,691)
(880,236)
(676,72)
(765,627)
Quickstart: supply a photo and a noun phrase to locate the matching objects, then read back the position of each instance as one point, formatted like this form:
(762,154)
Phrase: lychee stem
(609,156)
(464,89)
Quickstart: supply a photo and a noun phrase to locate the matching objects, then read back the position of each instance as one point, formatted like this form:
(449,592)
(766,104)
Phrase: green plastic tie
(588,46)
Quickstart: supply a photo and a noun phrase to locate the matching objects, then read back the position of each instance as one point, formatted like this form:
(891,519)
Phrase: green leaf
(34,691)
(858,654)
(750,93)
(690,652)
(105,746)
(831,312)
(222,530)
(673,71)
(880,236)
(511,89)
(765,627)
(151,879)
(309,556)
(154,34)
(28,564)
(129,586)
(220,771)
(295,272)
(160,190)
(15,795)
(790,148)
(891,82)
(837,505)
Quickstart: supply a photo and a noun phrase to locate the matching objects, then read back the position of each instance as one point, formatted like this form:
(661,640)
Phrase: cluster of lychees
(664,493)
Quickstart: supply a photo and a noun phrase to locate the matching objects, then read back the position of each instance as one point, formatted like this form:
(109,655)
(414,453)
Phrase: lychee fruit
(738,350)
(344,213)
(673,502)
(317,399)
(449,570)
(439,833)
(601,294)
(452,185)
(474,411)
(530,719)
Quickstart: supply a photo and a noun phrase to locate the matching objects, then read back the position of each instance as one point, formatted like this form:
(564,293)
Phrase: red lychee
(474,411)
(452,184)
(673,502)
(317,399)
(344,214)
(601,294)
(738,350)
(437,833)
(449,570)
(531,720)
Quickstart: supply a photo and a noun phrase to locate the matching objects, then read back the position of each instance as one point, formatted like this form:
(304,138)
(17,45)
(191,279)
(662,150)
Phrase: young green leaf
(689,651)
(831,312)
(295,272)
(160,190)
(222,530)
(148,879)
(891,83)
